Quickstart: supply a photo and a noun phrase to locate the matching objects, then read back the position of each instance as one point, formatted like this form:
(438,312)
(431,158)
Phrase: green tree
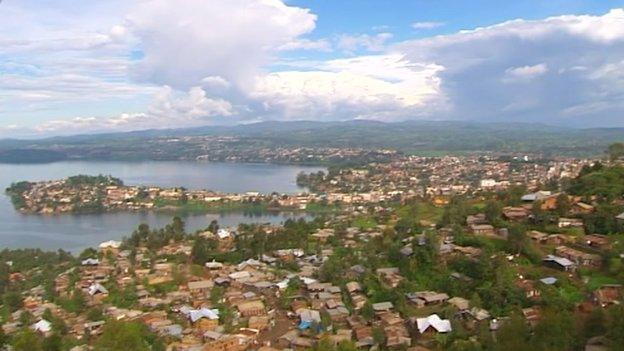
(555,331)
(595,323)
(27,340)
(178,226)
(13,300)
(53,342)
(213,227)
(615,151)
(4,339)
(493,211)
(367,311)
(513,335)
(122,336)
(563,204)
(517,239)
(615,326)
(203,249)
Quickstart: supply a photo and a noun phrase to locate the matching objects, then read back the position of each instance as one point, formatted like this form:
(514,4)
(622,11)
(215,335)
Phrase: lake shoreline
(75,232)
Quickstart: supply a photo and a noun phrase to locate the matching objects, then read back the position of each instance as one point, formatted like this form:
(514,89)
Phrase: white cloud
(561,61)
(233,39)
(307,44)
(526,73)
(353,43)
(212,60)
(168,109)
(427,25)
(362,87)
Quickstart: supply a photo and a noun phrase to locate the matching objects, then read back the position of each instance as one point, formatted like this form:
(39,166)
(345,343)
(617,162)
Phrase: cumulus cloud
(242,60)
(558,60)
(526,73)
(168,109)
(375,87)
(233,39)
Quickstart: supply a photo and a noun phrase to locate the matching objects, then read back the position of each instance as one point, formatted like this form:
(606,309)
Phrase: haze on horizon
(93,66)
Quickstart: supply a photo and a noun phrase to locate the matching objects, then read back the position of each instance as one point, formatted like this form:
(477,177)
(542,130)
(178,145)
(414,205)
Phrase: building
(482,229)
(579,257)
(559,263)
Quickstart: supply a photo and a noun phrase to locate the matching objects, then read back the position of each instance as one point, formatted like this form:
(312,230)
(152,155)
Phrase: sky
(71,67)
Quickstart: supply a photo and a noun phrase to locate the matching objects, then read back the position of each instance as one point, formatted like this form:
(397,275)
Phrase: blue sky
(95,66)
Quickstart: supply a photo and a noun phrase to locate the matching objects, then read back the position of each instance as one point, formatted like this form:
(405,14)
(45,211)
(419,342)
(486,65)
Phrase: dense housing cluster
(454,253)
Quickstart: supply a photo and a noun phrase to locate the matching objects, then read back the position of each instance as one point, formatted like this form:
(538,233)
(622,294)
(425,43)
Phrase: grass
(571,294)
(596,281)
(428,212)
(193,206)
(321,208)
(364,222)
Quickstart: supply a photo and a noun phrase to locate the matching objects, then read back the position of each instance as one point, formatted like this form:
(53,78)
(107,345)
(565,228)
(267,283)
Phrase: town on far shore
(416,253)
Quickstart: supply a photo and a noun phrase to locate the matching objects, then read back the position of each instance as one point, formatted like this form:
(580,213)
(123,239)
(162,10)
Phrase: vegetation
(412,137)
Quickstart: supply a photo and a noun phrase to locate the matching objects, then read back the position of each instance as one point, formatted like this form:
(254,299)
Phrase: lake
(76,232)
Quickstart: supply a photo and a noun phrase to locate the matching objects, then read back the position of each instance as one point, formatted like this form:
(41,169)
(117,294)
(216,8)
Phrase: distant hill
(421,137)
(30,156)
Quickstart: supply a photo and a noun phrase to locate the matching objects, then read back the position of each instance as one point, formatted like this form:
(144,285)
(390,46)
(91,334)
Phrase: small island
(83,194)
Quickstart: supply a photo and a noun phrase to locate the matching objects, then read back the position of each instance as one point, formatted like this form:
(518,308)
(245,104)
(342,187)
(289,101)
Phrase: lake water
(76,232)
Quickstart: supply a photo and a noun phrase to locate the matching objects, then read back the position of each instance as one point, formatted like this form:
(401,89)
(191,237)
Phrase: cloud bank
(157,64)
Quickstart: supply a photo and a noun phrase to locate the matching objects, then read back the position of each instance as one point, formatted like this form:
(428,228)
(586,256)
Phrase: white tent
(42,326)
(434,321)
(97,288)
(195,315)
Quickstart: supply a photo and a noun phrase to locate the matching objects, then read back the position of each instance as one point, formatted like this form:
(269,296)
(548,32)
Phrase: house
(422,298)
(111,246)
(515,213)
(476,219)
(528,286)
(559,239)
(469,251)
(537,237)
(390,276)
(228,343)
(201,287)
(214,265)
(459,302)
(609,294)
(582,208)
(353,287)
(90,262)
(433,323)
(479,314)
(597,241)
(307,318)
(482,229)
(397,336)
(94,328)
(570,222)
(537,196)
(251,308)
(559,263)
(531,315)
(383,307)
(258,322)
(579,257)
